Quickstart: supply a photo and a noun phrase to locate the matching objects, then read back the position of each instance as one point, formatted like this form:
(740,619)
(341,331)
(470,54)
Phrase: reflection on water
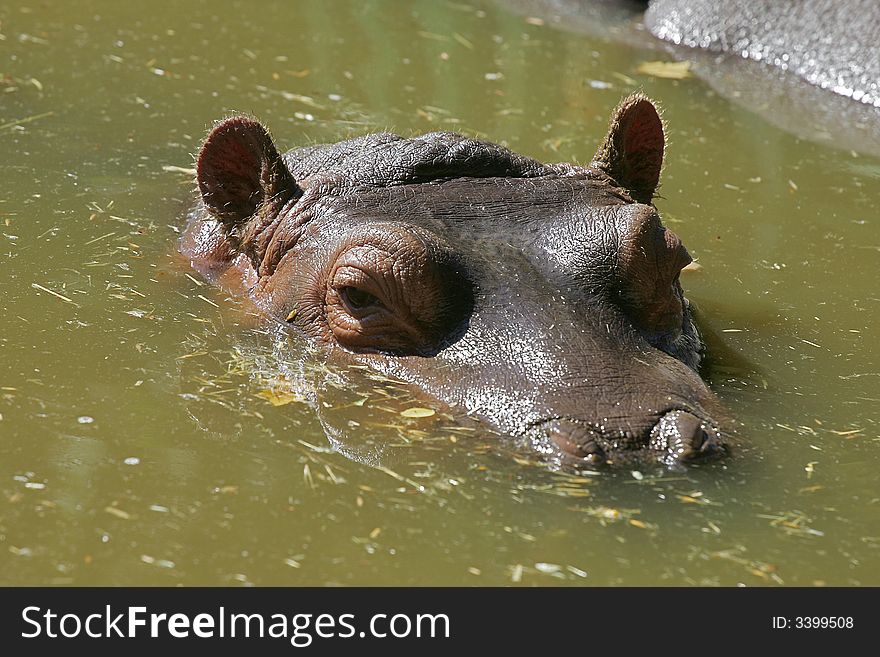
(154,431)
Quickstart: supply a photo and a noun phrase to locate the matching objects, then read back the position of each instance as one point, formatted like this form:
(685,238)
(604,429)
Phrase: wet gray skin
(541,299)
(829,43)
(810,67)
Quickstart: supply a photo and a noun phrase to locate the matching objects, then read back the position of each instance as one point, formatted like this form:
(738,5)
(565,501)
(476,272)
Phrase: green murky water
(138,441)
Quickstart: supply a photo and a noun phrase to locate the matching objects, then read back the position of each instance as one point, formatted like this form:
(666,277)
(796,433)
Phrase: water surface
(139,442)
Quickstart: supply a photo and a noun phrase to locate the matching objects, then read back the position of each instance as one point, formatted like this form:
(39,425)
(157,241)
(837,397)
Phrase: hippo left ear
(239,172)
(632,153)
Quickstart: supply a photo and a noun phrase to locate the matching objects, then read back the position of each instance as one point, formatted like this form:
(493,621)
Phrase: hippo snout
(682,436)
(678,436)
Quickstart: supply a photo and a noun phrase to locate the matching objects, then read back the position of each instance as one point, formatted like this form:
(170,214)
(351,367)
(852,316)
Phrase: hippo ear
(632,153)
(239,171)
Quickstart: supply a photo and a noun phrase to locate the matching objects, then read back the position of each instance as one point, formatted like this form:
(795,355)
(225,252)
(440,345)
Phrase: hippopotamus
(541,299)
(809,67)
(829,43)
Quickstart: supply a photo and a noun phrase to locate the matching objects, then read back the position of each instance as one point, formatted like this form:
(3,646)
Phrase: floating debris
(793,523)
(851,432)
(278,397)
(760,569)
(315,448)
(641,524)
(432,36)
(29,119)
(207,300)
(576,571)
(406,480)
(696,497)
(162,563)
(516,573)
(171,168)
(418,412)
(119,513)
(666,70)
(607,515)
(332,475)
(98,239)
(625,79)
(21,551)
(715,529)
(467,44)
(548,568)
(37,286)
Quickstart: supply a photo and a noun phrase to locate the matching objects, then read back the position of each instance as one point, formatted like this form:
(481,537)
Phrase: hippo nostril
(683,436)
(689,432)
(579,445)
(595,456)
(589,451)
(712,444)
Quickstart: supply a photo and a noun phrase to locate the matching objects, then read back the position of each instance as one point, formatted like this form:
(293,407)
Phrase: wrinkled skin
(542,299)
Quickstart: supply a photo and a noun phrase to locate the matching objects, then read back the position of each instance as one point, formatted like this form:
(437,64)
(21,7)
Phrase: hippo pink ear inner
(239,171)
(632,152)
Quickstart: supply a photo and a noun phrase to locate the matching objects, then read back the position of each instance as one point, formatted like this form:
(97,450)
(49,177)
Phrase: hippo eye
(357,299)
(395,292)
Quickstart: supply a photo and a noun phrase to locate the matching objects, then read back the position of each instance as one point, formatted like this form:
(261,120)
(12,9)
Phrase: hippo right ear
(632,153)
(240,172)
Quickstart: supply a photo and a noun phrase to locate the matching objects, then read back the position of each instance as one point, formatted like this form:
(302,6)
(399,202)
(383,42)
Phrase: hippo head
(541,299)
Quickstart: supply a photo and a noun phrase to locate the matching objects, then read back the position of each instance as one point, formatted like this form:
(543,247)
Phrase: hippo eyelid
(357,299)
